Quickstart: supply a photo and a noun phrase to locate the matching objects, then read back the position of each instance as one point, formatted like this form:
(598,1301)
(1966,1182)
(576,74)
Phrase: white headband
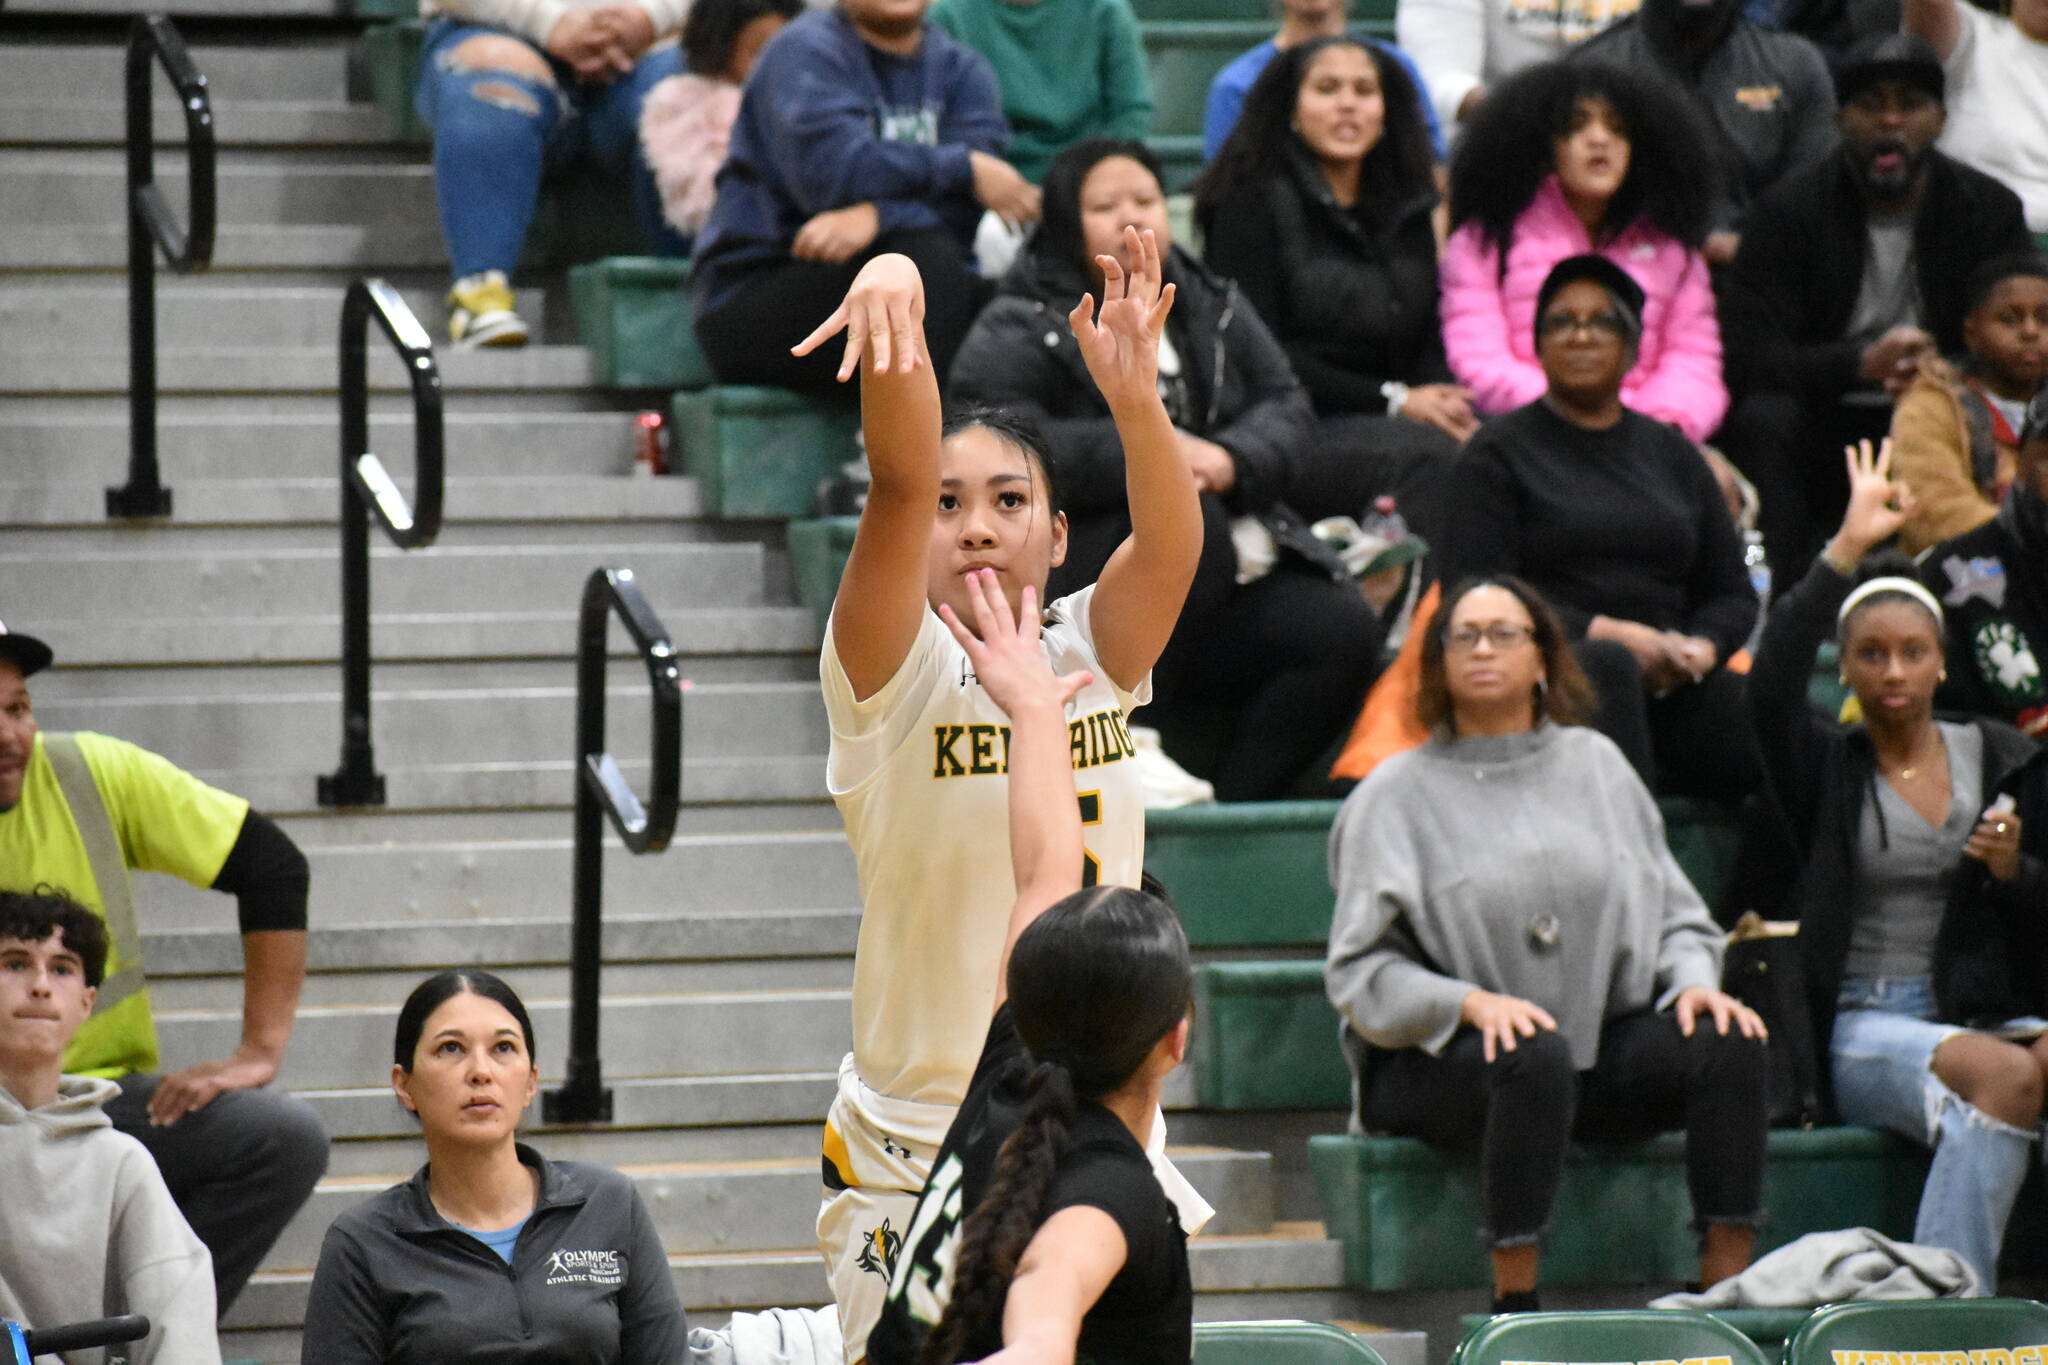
(1894,583)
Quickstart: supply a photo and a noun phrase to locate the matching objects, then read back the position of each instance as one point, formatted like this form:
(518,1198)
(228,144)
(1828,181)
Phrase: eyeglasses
(1501,635)
(1607,324)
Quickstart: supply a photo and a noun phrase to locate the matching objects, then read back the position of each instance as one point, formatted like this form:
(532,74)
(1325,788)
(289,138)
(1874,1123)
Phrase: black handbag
(1763,971)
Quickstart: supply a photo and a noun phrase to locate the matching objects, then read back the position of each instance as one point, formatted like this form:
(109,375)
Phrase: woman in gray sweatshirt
(1517,954)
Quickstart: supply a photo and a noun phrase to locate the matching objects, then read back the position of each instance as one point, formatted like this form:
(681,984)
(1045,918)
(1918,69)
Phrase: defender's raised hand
(1120,341)
(1007,658)
(883,315)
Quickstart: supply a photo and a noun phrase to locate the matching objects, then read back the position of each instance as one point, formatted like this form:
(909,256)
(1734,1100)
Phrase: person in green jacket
(1069,69)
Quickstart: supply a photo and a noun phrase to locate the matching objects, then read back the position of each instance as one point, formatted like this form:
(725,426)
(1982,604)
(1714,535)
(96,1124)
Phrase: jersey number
(1091,814)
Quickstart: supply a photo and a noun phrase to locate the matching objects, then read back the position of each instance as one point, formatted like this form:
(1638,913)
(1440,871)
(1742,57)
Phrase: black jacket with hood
(1236,387)
(1991,950)
(1354,305)
(589,1282)
(1993,583)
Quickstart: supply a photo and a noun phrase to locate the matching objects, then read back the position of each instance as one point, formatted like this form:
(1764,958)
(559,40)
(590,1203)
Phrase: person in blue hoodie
(863,130)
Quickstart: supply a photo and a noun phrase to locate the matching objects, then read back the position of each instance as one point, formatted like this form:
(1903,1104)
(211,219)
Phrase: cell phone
(2004,805)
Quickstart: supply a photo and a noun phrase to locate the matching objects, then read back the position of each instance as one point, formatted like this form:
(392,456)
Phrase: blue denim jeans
(497,133)
(1882,1055)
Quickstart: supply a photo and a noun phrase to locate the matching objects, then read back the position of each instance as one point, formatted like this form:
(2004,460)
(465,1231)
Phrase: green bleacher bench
(1246,875)
(1704,836)
(1265,1037)
(633,312)
(1976,1330)
(761,452)
(1409,1216)
(389,64)
(1184,56)
(1180,161)
(818,547)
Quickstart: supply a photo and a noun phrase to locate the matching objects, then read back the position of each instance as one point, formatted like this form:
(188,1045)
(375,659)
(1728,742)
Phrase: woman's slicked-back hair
(1566,698)
(1095,983)
(714,26)
(1397,168)
(1059,225)
(1510,144)
(436,991)
(1012,429)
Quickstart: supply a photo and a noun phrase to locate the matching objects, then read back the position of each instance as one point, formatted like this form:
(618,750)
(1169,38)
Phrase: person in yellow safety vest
(77,812)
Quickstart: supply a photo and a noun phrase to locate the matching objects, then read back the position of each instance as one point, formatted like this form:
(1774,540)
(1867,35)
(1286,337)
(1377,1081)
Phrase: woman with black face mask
(1993,584)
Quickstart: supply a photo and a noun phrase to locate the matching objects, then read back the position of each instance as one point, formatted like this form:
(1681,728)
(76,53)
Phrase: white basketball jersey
(920,772)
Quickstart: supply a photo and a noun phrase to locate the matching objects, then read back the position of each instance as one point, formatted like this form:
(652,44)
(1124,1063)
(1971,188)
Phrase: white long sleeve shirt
(534,18)
(1463,44)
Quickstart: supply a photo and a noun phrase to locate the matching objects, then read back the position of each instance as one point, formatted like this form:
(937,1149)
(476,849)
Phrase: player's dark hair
(1396,169)
(1566,697)
(33,916)
(436,991)
(1059,236)
(1095,982)
(1509,147)
(1014,430)
(714,26)
(1888,564)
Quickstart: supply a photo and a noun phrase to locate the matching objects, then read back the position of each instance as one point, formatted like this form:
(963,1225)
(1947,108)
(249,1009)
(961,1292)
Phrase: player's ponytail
(1000,1227)
(1095,983)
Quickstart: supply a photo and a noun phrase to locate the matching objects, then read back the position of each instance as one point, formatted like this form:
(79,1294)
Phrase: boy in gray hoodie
(87,1229)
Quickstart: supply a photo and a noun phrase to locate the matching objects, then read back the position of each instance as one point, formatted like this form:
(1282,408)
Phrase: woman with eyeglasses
(1618,522)
(1517,955)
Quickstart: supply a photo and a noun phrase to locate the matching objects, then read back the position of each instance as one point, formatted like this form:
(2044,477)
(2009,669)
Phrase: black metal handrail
(601,791)
(366,491)
(151,228)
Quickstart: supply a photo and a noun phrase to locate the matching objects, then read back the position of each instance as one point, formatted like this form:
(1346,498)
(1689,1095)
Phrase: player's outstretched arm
(881,603)
(1045,823)
(1146,580)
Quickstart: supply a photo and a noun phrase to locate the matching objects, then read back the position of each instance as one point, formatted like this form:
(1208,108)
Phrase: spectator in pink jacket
(1573,158)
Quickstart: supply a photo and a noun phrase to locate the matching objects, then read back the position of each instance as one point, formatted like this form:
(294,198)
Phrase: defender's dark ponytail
(1095,983)
(995,1234)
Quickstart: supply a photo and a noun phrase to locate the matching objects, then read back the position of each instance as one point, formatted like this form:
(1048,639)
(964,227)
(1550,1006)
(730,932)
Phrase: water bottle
(1759,566)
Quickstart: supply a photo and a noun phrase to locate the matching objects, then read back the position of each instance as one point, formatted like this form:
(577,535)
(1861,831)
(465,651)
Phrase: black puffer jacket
(1237,388)
(1353,306)
(1991,951)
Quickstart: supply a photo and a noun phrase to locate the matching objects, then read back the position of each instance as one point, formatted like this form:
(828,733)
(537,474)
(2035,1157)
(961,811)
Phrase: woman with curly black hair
(1570,158)
(1319,205)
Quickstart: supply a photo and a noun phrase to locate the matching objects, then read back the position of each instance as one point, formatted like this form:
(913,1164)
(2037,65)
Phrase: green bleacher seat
(1184,56)
(1246,875)
(1265,1037)
(1704,837)
(390,63)
(761,452)
(633,312)
(1279,1343)
(1408,1214)
(1954,1331)
(1243,11)
(818,548)
(1180,161)
(1641,1334)
(1769,1328)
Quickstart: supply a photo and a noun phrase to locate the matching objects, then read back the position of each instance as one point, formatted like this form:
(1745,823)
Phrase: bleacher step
(340,247)
(314,370)
(729,1034)
(67,187)
(277,123)
(509,880)
(285,584)
(92,448)
(203,311)
(313,502)
(288,69)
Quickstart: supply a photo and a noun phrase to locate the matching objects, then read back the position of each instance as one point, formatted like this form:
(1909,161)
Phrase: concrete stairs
(213,638)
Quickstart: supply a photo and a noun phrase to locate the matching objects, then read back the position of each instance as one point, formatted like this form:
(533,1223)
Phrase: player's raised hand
(882,315)
(1120,340)
(1005,653)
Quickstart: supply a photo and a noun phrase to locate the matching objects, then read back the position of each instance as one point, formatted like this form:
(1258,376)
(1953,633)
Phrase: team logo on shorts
(878,1250)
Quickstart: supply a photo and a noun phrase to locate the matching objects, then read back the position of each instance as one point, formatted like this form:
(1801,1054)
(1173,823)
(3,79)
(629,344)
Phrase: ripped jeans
(496,133)
(1882,1056)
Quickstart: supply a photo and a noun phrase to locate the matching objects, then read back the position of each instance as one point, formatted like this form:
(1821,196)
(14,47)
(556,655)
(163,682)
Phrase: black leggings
(1259,679)
(1521,1110)
(1695,740)
(747,338)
